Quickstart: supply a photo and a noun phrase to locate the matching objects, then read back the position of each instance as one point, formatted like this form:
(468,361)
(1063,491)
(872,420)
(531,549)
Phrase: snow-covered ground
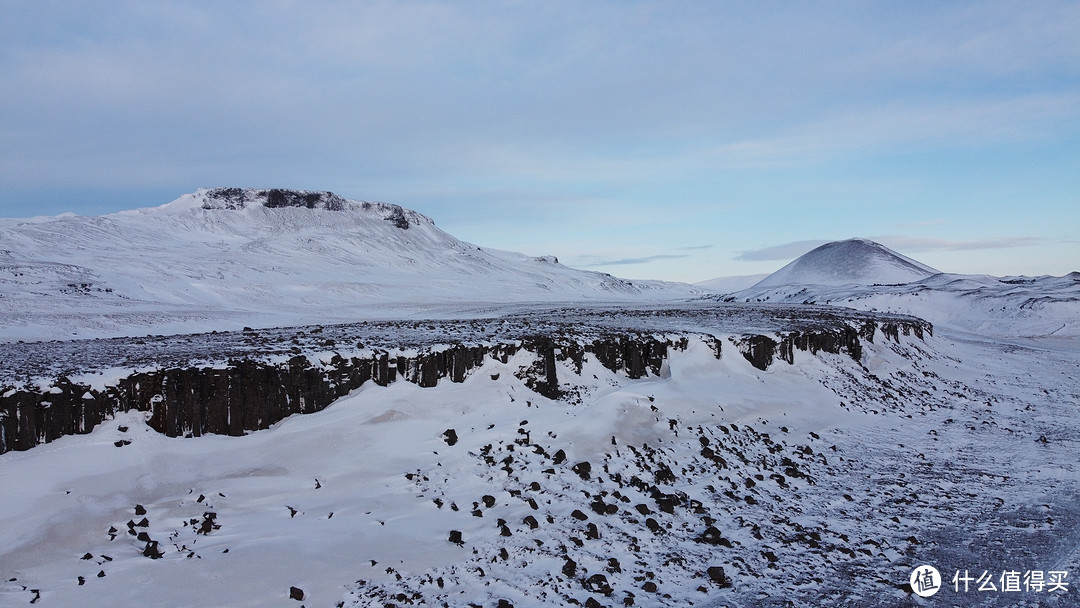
(821,482)
(713,482)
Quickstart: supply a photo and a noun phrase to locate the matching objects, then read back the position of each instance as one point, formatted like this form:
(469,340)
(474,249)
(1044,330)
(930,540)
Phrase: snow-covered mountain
(850,262)
(225,258)
(866,275)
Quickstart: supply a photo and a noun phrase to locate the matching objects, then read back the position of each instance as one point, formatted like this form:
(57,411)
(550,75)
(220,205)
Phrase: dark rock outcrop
(760,350)
(239,198)
(244,395)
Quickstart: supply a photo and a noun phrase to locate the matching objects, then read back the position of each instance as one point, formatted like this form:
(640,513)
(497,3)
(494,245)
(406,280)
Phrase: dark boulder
(717,575)
(598,583)
(583,469)
(570,567)
(450,437)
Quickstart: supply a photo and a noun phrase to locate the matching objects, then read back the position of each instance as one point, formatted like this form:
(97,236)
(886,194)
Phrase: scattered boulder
(717,575)
(598,583)
(208,524)
(570,567)
(152,551)
(296,593)
(711,536)
(592,532)
(653,526)
(450,437)
(583,469)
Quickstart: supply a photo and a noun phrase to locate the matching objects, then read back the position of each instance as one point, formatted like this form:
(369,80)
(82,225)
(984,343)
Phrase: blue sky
(676,140)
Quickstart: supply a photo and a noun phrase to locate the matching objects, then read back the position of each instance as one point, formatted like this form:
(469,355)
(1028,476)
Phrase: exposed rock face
(246,395)
(760,350)
(277,198)
(634,355)
(240,198)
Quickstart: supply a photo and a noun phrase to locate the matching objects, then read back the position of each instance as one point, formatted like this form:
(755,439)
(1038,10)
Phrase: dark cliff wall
(248,395)
(761,350)
(244,395)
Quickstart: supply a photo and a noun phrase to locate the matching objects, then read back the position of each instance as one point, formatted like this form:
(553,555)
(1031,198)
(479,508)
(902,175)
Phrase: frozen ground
(819,483)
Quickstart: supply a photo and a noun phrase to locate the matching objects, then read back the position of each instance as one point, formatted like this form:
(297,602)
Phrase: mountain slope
(862,274)
(228,257)
(854,261)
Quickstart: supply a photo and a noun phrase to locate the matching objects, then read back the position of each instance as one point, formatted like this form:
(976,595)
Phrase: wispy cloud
(632,261)
(955,123)
(786,251)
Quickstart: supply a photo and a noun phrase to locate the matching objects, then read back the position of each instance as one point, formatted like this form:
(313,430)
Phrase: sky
(670,140)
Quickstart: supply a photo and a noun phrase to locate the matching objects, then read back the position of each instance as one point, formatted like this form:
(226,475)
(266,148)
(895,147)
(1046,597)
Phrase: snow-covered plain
(819,482)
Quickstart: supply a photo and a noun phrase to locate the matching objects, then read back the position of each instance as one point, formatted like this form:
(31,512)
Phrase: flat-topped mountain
(225,258)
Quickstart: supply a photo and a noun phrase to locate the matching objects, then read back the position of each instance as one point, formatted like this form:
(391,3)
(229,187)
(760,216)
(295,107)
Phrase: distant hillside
(850,262)
(732,283)
(225,258)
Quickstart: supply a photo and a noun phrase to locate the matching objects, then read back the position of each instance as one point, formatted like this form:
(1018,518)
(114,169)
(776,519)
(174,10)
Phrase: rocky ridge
(269,375)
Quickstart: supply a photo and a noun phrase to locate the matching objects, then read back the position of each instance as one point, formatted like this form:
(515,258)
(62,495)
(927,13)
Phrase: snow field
(311,502)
